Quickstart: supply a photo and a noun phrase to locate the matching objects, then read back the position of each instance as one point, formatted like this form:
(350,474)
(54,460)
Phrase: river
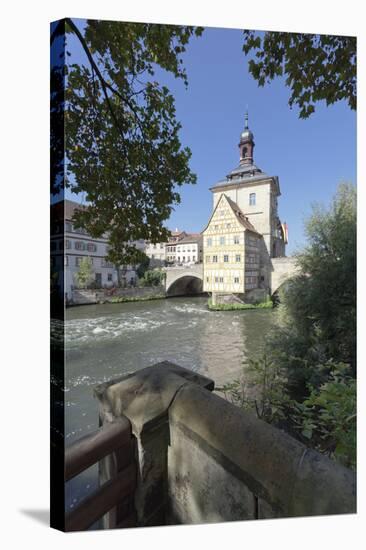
(106,341)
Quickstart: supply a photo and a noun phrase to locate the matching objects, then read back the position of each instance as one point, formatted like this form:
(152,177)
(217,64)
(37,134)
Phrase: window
(188,259)
(214,259)
(236,239)
(226,258)
(221,279)
(91,247)
(228,225)
(222,240)
(244,152)
(161,245)
(68,226)
(67,243)
(184,259)
(66,260)
(216,279)
(78,260)
(193,258)
(237,258)
(209,242)
(207,279)
(236,280)
(79,245)
(252,199)
(109,277)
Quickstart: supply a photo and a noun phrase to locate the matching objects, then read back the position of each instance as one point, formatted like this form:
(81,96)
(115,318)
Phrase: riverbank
(239,306)
(123,299)
(81,297)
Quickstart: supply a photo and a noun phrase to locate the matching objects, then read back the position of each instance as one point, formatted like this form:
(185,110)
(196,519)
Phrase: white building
(69,245)
(189,249)
(164,252)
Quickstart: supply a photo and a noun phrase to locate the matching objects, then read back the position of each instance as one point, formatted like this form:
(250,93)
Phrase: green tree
(84,274)
(122,137)
(316,67)
(153,277)
(319,309)
(143,266)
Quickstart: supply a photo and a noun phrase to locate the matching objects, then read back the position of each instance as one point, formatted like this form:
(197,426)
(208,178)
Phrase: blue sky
(310,156)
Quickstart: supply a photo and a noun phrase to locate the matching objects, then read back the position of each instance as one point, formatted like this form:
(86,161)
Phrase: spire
(246,144)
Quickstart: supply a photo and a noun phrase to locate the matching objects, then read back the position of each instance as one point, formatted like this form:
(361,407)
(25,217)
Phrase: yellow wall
(222,276)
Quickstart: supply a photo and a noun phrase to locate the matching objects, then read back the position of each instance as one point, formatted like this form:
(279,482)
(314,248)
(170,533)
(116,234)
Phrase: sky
(310,157)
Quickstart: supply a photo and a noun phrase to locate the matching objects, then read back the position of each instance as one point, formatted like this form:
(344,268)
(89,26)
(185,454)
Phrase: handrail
(102,500)
(113,437)
(93,447)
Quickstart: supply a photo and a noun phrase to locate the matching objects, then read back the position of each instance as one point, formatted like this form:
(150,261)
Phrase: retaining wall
(201,459)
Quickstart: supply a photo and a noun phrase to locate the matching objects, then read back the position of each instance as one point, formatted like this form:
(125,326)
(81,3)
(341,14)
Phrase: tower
(256,194)
(246,144)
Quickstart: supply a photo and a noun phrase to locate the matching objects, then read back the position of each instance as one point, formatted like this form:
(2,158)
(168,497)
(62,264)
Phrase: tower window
(252,199)
(244,152)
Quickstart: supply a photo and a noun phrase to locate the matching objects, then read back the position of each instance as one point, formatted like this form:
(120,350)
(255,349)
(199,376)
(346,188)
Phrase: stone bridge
(183,280)
(282,270)
(187,280)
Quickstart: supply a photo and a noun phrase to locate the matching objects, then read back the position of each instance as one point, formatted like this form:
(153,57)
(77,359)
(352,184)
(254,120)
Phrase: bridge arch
(185,284)
(283,269)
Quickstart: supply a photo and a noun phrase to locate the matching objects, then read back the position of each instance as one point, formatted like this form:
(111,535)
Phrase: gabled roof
(241,218)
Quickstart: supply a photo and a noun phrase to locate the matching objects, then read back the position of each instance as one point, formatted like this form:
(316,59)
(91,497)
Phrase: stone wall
(226,465)
(201,459)
(86,296)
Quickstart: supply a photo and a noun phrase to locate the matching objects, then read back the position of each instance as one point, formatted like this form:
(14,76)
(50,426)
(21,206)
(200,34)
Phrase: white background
(24,308)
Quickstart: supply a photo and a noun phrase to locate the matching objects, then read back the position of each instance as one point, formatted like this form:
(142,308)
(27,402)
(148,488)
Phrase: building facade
(244,231)
(189,250)
(70,245)
(164,253)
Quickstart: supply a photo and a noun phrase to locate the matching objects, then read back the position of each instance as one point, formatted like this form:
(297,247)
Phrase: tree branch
(96,69)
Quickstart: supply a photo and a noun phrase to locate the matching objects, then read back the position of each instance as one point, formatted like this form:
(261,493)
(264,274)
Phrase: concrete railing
(201,459)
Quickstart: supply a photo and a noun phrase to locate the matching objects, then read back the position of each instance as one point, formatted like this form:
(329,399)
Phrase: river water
(106,341)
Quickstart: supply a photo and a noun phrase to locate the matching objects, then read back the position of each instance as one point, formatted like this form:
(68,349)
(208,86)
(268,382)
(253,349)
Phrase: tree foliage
(320,304)
(316,67)
(84,274)
(152,277)
(122,143)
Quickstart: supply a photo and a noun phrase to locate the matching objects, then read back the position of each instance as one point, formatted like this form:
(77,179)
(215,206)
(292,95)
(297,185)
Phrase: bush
(153,277)
(328,417)
(237,306)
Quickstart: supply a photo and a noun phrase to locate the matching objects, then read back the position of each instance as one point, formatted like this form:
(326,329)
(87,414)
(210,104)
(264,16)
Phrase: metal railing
(114,437)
